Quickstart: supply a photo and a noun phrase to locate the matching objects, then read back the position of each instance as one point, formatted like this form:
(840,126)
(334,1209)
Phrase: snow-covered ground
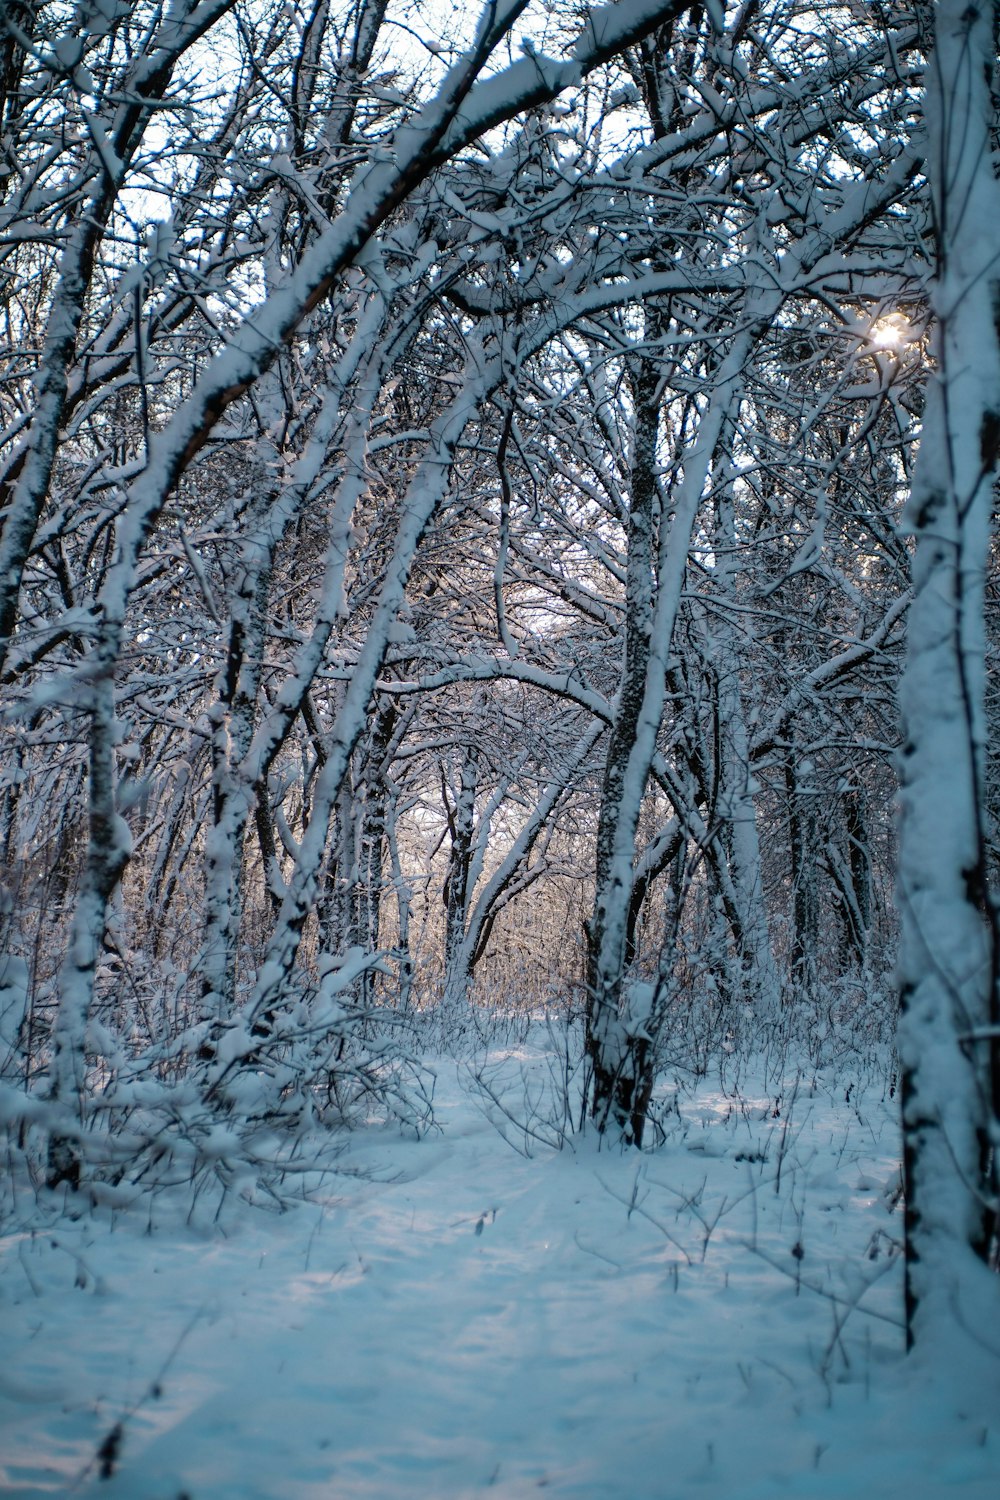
(719,1316)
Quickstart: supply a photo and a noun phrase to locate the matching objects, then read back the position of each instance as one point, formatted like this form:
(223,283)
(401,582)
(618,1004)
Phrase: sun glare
(890,333)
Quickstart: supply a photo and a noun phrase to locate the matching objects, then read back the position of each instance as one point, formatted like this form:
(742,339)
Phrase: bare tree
(342,208)
(369,374)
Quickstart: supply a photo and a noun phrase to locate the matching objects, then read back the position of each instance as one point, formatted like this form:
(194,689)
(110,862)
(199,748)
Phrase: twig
(634,1207)
(27,1271)
(822,1291)
(588,1251)
(109,1451)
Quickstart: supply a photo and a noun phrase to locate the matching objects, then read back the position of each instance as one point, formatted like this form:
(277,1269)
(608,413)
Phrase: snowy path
(468,1321)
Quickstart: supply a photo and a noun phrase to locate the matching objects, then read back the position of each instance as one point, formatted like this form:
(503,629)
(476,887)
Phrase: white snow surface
(717,1316)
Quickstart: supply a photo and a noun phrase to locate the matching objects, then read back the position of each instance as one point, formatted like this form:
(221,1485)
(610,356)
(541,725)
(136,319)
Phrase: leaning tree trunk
(948,1033)
(622,1062)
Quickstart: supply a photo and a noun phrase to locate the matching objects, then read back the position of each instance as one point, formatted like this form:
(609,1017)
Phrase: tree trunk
(612,1061)
(650,617)
(234,717)
(107,854)
(457,892)
(803,948)
(948,1032)
(737,809)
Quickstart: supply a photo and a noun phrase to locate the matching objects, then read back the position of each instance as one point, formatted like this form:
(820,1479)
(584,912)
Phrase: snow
(719,1316)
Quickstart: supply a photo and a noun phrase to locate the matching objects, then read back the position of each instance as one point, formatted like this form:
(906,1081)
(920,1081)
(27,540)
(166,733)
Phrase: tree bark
(949,962)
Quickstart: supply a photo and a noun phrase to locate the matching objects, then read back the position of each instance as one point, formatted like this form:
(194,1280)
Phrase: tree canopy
(452,475)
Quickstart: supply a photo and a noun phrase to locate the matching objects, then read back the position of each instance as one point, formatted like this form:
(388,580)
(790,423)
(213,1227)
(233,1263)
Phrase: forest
(497,539)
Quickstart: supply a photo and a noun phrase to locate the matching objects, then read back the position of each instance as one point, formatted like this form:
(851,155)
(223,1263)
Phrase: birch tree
(950,1027)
